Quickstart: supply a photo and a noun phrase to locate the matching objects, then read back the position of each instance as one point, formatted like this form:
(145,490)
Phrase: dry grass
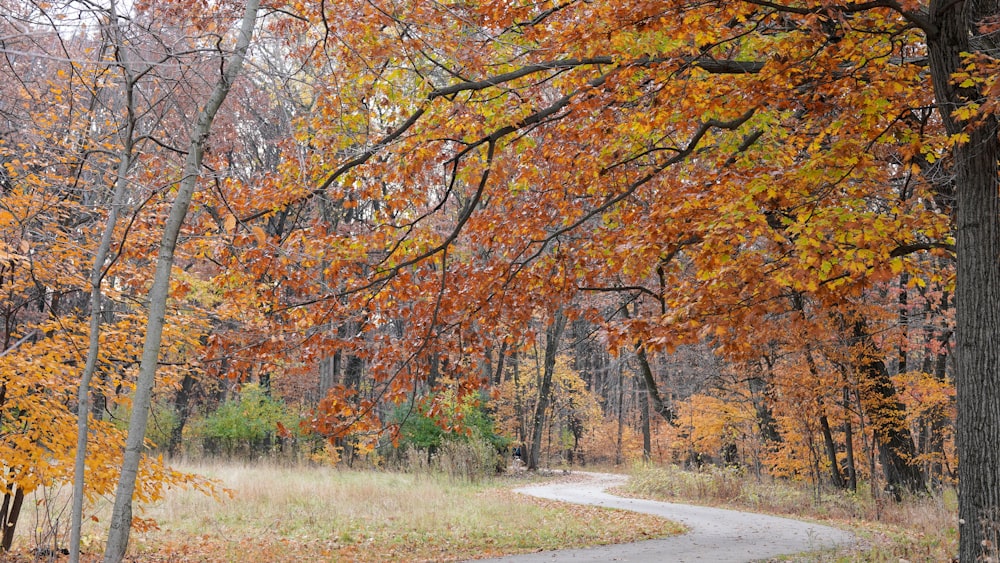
(323,514)
(920,528)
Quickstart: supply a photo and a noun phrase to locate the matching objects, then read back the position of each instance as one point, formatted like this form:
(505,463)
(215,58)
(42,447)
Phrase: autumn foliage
(744,213)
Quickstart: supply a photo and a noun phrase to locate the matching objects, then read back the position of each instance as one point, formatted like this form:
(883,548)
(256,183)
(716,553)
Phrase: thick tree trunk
(552,337)
(121,517)
(977,355)
(649,382)
(977,286)
(9,513)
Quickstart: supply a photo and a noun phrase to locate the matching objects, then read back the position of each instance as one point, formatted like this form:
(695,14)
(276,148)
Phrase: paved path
(715,535)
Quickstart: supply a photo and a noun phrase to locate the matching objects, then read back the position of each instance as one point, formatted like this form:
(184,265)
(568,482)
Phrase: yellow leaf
(897,265)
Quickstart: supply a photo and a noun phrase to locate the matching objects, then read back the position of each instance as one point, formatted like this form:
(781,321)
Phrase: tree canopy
(403,197)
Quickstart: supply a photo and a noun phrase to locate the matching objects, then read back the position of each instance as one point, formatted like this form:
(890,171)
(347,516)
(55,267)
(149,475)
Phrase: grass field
(310,513)
(322,514)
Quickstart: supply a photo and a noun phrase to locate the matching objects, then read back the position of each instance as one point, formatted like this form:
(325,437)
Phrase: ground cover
(306,513)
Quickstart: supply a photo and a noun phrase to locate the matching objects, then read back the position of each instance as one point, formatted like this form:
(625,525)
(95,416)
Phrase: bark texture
(954,29)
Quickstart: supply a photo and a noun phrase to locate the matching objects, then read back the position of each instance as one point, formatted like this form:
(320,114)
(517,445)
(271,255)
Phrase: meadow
(318,513)
(274,512)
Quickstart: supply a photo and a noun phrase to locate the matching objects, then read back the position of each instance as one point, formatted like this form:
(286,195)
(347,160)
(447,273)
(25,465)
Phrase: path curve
(715,535)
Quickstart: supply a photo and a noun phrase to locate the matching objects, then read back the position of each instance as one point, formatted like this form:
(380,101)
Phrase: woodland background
(594,232)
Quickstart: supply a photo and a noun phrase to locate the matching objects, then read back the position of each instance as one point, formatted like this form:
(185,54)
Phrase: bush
(246,426)
(459,439)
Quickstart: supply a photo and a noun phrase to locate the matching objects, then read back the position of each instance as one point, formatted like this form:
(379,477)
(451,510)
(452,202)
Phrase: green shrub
(245,426)
(460,439)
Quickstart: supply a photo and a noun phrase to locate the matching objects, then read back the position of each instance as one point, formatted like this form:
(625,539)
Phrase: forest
(760,234)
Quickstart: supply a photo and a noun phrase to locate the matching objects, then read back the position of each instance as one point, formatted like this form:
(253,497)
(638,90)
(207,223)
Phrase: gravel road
(715,535)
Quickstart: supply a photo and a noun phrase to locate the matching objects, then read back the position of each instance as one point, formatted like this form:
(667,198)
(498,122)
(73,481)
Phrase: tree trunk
(518,403)
(121,517)
(649,382)
(11,509)
(97,273)
(621,415)
(760,393)
(552,337)
(647,446)
(937,428)
(182,406)
(836,477)
(9,513)
(852,473)
(902,365)
(896,449)
(977,285)
(501,360)
(824,423)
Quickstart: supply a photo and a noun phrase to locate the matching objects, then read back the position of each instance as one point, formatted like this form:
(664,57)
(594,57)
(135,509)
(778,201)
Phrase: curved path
(714,535)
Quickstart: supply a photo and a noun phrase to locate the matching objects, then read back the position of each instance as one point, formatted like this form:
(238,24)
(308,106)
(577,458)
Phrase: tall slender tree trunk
(852,472)
(498,374)
(937,428)
(902,365)
(621,416)
(97,273)
(121,517)
(519,404)
(647,441)
(824,424)
(552,337)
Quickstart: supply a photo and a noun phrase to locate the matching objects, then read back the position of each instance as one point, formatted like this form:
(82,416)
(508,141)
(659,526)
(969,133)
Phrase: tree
(121,518)
(572,411)
(97,274)
(769,179)
(954,29)
(553,334)
(738,153)
(65,136)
